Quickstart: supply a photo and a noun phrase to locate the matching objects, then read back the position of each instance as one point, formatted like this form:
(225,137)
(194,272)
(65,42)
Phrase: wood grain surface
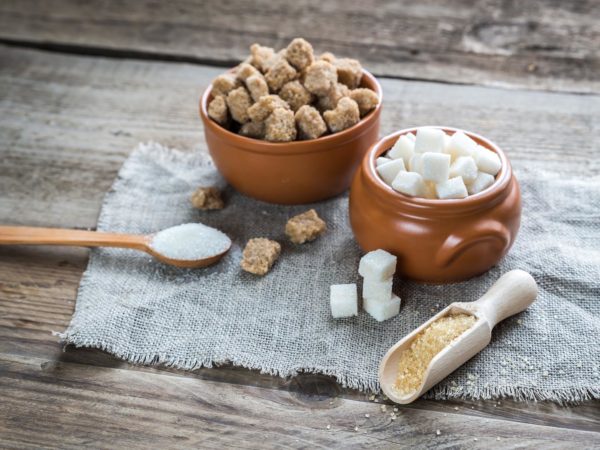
(66,125)
(539,44)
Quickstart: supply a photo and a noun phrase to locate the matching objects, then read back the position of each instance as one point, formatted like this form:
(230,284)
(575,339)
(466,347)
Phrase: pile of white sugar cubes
(435,165)
(377,268)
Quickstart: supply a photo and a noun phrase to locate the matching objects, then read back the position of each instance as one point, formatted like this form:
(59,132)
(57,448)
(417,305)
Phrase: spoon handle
(61,236)
(512,293)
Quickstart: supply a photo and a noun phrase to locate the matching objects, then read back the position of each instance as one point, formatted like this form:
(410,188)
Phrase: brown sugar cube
(299,53)
(207,198)
(295,95)
(327,56)
(280,126)
(238,102)
(366,99)
(309,122)
(265,106)
(280,73)
(245,70)
(331,99)
(217,110)
(261,57)
(224,84)
(259,255)
(349,72)
(320,78)
(345,114)
(254,130)
(257,86)
(305,227)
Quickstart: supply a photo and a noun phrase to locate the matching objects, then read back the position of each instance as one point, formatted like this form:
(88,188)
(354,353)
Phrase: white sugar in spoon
(191,245)
(512,293)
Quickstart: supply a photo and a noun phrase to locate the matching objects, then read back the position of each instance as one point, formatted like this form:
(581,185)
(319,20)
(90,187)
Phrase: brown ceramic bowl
(435,240)
(292,172)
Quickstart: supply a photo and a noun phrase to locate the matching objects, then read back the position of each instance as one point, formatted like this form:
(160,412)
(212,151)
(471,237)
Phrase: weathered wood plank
(541,44)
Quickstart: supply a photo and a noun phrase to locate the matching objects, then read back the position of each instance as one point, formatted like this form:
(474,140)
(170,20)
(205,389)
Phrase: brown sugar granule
(224,84)
(349,72)
(331,99)
(207,198)
(280,73)
(327,56)
(259,255)
(245,70)
(257,86)
(305,227)
(217,110)
(299,53)
(295,95)
(280,126)
(265,106)
(344,115)
(309,122)
(254,130)
(366,99)
(320,78)
(261,57)
(238,102)
(415,359)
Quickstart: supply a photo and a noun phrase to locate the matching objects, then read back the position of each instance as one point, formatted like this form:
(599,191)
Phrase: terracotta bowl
(292,172)
(435,240)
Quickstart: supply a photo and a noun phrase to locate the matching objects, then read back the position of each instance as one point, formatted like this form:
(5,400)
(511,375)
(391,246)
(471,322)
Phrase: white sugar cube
(381,311)
(482,182)
(377,290)
(464,167)
(416,163)
(389,170)
(343,299)
(411,136)
(461,145)
(452,188)
(487,161)
(436,166)
(382,160)
(377,265)
(429,140)
(402,149)
(446,143)
(409,183)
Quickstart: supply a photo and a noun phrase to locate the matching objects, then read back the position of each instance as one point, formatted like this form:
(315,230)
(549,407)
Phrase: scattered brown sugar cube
(280,73)
(224,84)
(331,99)
(245,70)
(305,227)
(349,72)
(217,110)
(295,95)
(257,86)
(309,122)
(320,78)
(261,57)
(299,53)
(254,130)
(345,114)
(238,102)
(259,255)
(280,126)
(265,106)
(327,56)
(366,99)
(207,198)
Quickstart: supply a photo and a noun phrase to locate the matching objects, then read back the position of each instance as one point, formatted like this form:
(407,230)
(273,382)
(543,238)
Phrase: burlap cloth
(148,313)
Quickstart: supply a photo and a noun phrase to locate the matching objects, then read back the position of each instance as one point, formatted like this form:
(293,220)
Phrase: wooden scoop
(81,238)
(511,294)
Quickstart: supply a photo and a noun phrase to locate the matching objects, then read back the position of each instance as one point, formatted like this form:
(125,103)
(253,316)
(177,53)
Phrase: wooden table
(82,82)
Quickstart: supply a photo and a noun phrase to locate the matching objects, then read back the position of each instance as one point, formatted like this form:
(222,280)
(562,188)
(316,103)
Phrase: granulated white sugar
(190,241)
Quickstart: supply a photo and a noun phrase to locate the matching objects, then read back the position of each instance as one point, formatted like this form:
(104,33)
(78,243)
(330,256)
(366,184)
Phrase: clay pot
(292,172)
(435,240)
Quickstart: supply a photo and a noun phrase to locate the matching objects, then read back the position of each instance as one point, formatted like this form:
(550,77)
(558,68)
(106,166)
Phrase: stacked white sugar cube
(432,164)
(377,268)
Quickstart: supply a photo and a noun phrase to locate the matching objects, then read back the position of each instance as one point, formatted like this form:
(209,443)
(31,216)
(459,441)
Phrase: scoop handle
(512,293)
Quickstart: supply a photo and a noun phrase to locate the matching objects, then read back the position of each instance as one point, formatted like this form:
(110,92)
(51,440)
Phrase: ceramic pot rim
(483,199)
(296,147)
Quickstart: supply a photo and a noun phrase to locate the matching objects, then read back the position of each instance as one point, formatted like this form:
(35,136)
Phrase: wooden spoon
(511,294)
(81,238)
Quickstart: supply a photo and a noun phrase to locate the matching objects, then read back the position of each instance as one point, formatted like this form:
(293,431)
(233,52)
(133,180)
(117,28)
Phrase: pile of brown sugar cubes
(290,94)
